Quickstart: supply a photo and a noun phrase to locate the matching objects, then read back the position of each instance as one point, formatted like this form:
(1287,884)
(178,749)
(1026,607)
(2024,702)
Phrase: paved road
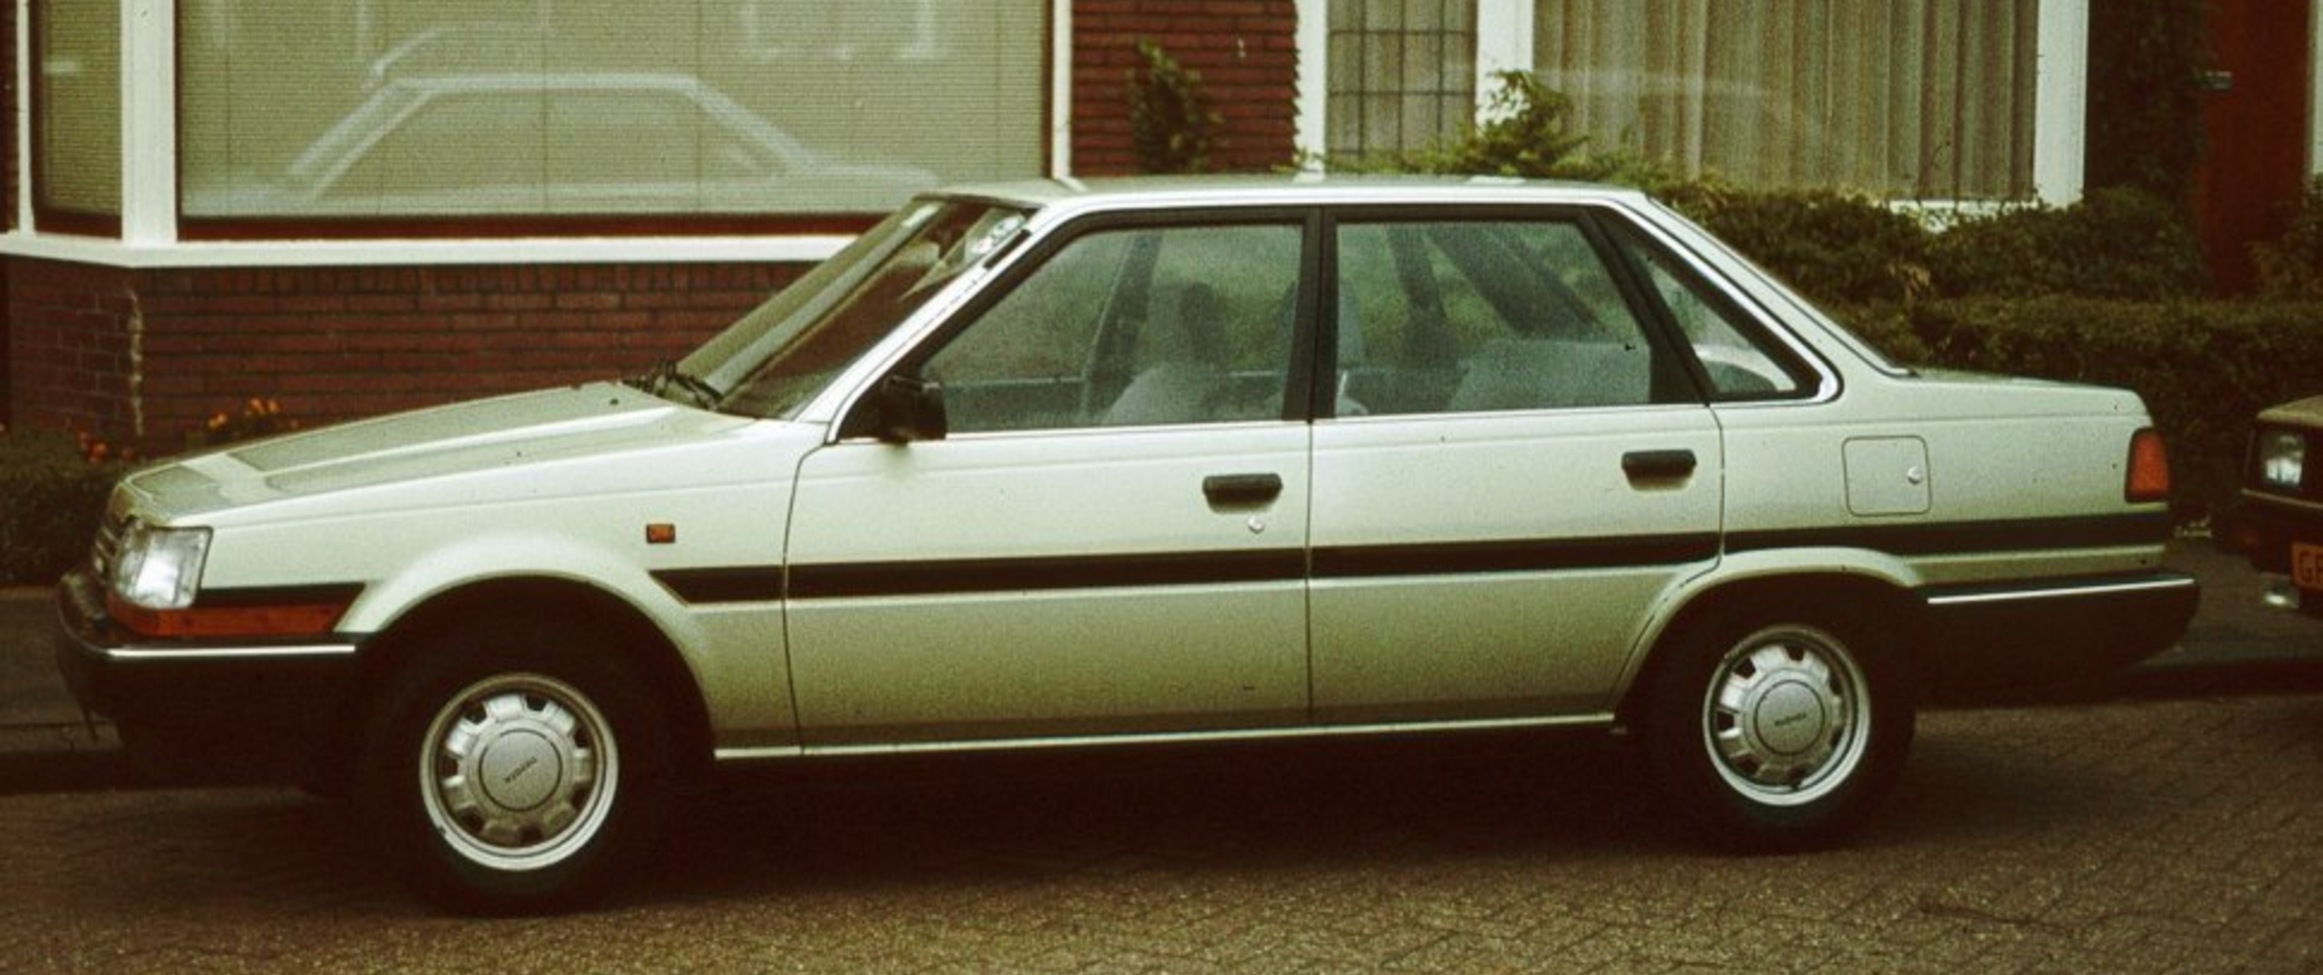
(2178,836)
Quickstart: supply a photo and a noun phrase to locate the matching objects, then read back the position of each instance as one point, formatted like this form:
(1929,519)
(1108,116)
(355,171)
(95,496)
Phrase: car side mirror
(908,408)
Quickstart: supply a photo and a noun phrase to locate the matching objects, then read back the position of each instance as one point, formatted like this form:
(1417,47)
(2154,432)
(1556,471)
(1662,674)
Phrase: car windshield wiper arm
(666,375)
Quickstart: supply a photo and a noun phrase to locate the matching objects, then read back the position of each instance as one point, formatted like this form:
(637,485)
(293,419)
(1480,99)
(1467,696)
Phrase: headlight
(160,568)
(2282,459)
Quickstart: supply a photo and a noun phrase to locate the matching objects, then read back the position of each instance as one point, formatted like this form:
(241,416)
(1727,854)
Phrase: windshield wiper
(667,376)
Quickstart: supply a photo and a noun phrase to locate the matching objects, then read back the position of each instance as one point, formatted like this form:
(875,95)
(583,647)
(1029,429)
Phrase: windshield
(776,358)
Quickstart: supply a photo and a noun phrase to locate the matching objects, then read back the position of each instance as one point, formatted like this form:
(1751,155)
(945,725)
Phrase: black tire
(1778,727)
(516,767)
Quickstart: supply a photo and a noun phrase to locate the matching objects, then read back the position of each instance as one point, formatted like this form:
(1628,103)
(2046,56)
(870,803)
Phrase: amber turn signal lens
(2149,468)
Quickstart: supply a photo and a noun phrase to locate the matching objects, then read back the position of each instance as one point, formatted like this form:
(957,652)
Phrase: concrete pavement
(2234,645)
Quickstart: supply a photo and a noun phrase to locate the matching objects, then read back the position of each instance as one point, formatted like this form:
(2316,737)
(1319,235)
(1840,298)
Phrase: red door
(2255,120)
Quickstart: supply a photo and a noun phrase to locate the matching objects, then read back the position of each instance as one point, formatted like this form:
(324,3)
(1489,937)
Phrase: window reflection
(420,108)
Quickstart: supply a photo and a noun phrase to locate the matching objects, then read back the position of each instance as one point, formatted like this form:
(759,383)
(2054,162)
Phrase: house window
(77,118)
(1402,74)
(1918,98)
(412,111)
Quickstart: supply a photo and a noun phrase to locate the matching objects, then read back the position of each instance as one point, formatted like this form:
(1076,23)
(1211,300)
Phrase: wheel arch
(1861,594)
(413,635)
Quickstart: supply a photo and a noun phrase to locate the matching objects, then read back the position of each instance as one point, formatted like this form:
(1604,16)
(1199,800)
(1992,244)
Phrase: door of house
(2255,119)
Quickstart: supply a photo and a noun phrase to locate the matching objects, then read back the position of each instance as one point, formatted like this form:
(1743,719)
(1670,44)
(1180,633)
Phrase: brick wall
(70,329)
(145,357)
(1246,51)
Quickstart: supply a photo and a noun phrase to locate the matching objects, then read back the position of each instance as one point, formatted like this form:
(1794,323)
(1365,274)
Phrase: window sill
(809,248)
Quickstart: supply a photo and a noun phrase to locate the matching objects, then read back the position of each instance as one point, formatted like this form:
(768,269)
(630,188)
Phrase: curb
(62,758)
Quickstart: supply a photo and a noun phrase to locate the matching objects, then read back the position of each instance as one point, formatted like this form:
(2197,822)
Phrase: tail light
(2149,468)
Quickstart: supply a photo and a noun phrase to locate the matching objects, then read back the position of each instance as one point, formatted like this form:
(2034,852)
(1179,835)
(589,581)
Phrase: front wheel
(513,771)
(1779,729)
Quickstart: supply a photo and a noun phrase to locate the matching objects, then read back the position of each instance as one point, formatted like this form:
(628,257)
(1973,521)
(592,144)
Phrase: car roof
(1292,189)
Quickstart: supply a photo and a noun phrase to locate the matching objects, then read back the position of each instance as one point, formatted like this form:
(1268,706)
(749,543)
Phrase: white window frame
(149,167)
(1504,32)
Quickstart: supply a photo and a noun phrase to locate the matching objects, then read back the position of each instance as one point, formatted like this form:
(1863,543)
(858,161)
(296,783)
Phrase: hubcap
(518,771)
(1786,716)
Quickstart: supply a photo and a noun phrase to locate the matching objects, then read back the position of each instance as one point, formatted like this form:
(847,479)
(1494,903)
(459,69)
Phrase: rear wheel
(1779,728)
(516,769)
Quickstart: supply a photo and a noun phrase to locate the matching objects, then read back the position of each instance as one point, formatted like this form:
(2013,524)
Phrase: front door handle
(1657,465)
(1241,490)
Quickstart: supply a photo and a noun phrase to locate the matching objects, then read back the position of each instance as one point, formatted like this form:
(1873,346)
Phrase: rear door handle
(1657,465)
(1241,490)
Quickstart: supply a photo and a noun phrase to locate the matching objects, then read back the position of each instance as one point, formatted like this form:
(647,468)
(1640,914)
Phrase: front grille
(107,547)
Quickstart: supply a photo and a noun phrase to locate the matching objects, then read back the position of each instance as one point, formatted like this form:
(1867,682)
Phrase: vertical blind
(434,108)
(1918,98)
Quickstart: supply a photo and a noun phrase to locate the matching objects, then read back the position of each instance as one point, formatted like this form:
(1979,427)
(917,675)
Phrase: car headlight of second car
(2282,459)
(160,568)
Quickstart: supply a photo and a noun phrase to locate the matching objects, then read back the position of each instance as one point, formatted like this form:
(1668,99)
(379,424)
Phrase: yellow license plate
(2307,565)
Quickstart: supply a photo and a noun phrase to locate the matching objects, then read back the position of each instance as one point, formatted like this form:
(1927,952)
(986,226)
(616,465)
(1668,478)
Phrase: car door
(1520,463)
(1111,537)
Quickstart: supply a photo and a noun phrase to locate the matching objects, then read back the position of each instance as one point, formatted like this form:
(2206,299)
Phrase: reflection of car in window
(599,143)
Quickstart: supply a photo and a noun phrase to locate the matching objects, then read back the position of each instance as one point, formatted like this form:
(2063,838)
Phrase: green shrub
(2114,243)
(2291,265)
(1171,123)
(51,499)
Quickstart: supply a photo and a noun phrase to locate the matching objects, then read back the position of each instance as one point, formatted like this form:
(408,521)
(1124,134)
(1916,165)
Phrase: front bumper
(1985,640)
(2263,530)
(203,709)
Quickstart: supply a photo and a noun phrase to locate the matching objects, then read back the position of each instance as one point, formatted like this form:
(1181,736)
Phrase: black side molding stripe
(1968,538)
(967,576)
(740,584)
(838,581)
(1474,558)
(256,598)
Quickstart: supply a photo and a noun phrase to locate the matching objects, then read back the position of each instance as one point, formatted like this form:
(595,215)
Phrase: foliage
(1526,134)
(2291,266)
(52,496)
(1171,124)
(2115,243)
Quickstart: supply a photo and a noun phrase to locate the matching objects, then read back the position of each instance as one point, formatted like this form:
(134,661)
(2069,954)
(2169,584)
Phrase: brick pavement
(2178,836)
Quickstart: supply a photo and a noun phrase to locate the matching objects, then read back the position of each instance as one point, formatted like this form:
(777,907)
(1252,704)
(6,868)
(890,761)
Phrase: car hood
(555,443)
(2307,413)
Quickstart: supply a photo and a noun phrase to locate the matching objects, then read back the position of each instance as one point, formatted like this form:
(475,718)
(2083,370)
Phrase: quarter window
(1738,362)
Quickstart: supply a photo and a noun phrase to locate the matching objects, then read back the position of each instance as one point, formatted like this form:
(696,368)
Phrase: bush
(2114,243)
(1171,123)
(2291,266)
(51,499)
